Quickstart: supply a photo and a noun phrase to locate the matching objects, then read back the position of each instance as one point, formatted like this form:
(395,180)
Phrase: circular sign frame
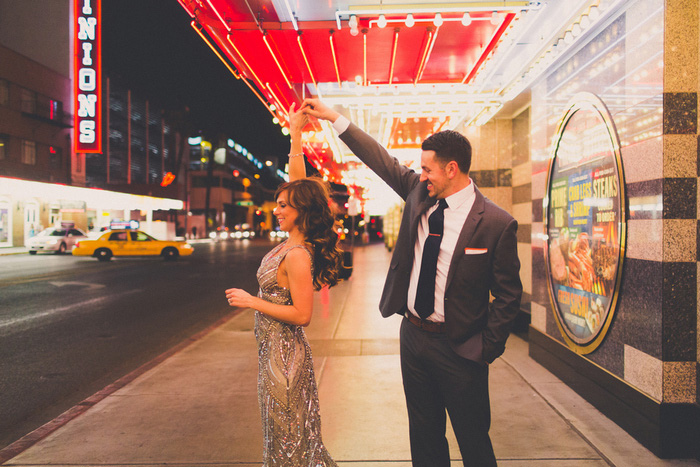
(585,223)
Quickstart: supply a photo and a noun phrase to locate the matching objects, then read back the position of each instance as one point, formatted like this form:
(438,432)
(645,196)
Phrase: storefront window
(31,219)
(5,226)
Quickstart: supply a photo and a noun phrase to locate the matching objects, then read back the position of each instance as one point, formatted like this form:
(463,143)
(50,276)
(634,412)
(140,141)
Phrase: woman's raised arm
(297,122)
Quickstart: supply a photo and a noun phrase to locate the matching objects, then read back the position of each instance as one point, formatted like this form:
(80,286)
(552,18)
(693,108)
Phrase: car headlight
(187,246)
(212,235)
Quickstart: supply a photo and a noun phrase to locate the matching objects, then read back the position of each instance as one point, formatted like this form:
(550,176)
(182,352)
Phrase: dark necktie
(425,295)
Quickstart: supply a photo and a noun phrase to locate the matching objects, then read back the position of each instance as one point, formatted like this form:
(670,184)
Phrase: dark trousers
(436,380)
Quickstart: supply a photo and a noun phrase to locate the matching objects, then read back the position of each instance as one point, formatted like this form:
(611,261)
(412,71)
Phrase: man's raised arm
(399,177)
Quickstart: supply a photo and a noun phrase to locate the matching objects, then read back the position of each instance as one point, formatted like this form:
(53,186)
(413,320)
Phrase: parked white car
(55,239)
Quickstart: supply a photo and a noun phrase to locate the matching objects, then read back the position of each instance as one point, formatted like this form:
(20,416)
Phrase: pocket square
(475,251)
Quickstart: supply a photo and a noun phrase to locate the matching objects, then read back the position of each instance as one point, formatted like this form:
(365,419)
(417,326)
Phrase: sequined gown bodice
(286,381)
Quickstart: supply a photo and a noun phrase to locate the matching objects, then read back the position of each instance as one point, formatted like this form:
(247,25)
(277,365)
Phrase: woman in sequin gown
(288,276)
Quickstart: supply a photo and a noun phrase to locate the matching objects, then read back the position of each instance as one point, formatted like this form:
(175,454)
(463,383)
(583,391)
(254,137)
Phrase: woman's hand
(239,298)
(297,120)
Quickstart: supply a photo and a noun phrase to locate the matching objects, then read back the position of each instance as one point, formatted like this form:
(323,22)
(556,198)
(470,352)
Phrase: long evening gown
(286,382)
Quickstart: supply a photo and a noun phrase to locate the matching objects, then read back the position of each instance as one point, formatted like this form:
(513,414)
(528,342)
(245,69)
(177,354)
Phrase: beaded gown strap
(270,290)
(304,247)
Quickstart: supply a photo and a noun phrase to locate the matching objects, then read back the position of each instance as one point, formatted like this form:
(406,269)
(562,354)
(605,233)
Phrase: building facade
(640,364)
(39,165)
(229,188)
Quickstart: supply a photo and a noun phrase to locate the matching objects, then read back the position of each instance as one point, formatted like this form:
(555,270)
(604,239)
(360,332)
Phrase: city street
(69,326)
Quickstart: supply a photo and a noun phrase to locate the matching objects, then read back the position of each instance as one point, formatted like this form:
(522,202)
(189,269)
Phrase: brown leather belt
(430,326)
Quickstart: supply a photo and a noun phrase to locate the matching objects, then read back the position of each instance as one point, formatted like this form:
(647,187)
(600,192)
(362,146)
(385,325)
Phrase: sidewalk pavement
(197,405)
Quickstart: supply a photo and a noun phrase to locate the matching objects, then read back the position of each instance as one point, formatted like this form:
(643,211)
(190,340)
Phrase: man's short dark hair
(450,146)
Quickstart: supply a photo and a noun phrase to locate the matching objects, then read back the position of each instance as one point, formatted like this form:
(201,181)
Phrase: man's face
(436,175)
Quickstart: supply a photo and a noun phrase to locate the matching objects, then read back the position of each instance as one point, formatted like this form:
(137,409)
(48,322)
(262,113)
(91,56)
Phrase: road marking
(80,284)
(54,311)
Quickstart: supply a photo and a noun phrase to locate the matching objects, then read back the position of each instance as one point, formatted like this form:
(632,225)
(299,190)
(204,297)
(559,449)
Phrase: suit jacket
(476,329)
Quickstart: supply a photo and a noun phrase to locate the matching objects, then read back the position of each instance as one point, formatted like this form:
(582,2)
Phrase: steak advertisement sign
(585,223)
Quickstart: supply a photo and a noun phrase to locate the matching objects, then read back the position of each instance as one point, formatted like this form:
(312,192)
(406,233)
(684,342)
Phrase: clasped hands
(310,106)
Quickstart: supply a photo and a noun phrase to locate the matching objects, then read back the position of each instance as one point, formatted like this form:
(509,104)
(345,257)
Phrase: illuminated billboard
(585,223)
(87,76)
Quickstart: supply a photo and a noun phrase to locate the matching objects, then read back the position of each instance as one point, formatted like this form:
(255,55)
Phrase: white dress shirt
(459,204)
(341,124)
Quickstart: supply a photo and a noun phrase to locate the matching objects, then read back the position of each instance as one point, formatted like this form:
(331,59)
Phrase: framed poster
(585,223)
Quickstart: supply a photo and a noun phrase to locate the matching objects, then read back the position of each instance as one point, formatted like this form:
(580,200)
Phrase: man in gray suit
(455,250)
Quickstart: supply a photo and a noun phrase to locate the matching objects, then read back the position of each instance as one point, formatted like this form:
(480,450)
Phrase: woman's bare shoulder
(299,253)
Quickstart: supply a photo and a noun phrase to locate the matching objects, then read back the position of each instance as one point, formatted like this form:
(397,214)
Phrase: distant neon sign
(87,76)
(168,178)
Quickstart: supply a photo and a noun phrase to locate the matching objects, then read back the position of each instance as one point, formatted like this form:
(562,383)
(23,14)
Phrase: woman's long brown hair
(309,196)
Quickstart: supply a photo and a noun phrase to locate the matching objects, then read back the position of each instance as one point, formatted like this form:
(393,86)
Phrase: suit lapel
(465,236)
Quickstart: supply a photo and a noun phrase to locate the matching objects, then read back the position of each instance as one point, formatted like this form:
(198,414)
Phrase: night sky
(150,47)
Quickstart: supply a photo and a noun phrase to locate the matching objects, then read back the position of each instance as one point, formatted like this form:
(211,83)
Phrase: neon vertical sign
(87,76)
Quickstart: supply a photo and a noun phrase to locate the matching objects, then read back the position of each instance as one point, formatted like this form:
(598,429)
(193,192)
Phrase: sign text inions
(87,75)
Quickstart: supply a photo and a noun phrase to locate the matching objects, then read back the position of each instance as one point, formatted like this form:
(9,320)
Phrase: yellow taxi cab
(131,243)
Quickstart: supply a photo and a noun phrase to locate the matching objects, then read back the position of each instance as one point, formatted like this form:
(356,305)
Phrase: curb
(8,253)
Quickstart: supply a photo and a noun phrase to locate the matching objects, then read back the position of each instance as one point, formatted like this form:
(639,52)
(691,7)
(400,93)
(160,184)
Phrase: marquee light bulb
(585,21)
(568,37)
(381,22)
(466,19)
(410,21)
(437,21)
(576,29)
